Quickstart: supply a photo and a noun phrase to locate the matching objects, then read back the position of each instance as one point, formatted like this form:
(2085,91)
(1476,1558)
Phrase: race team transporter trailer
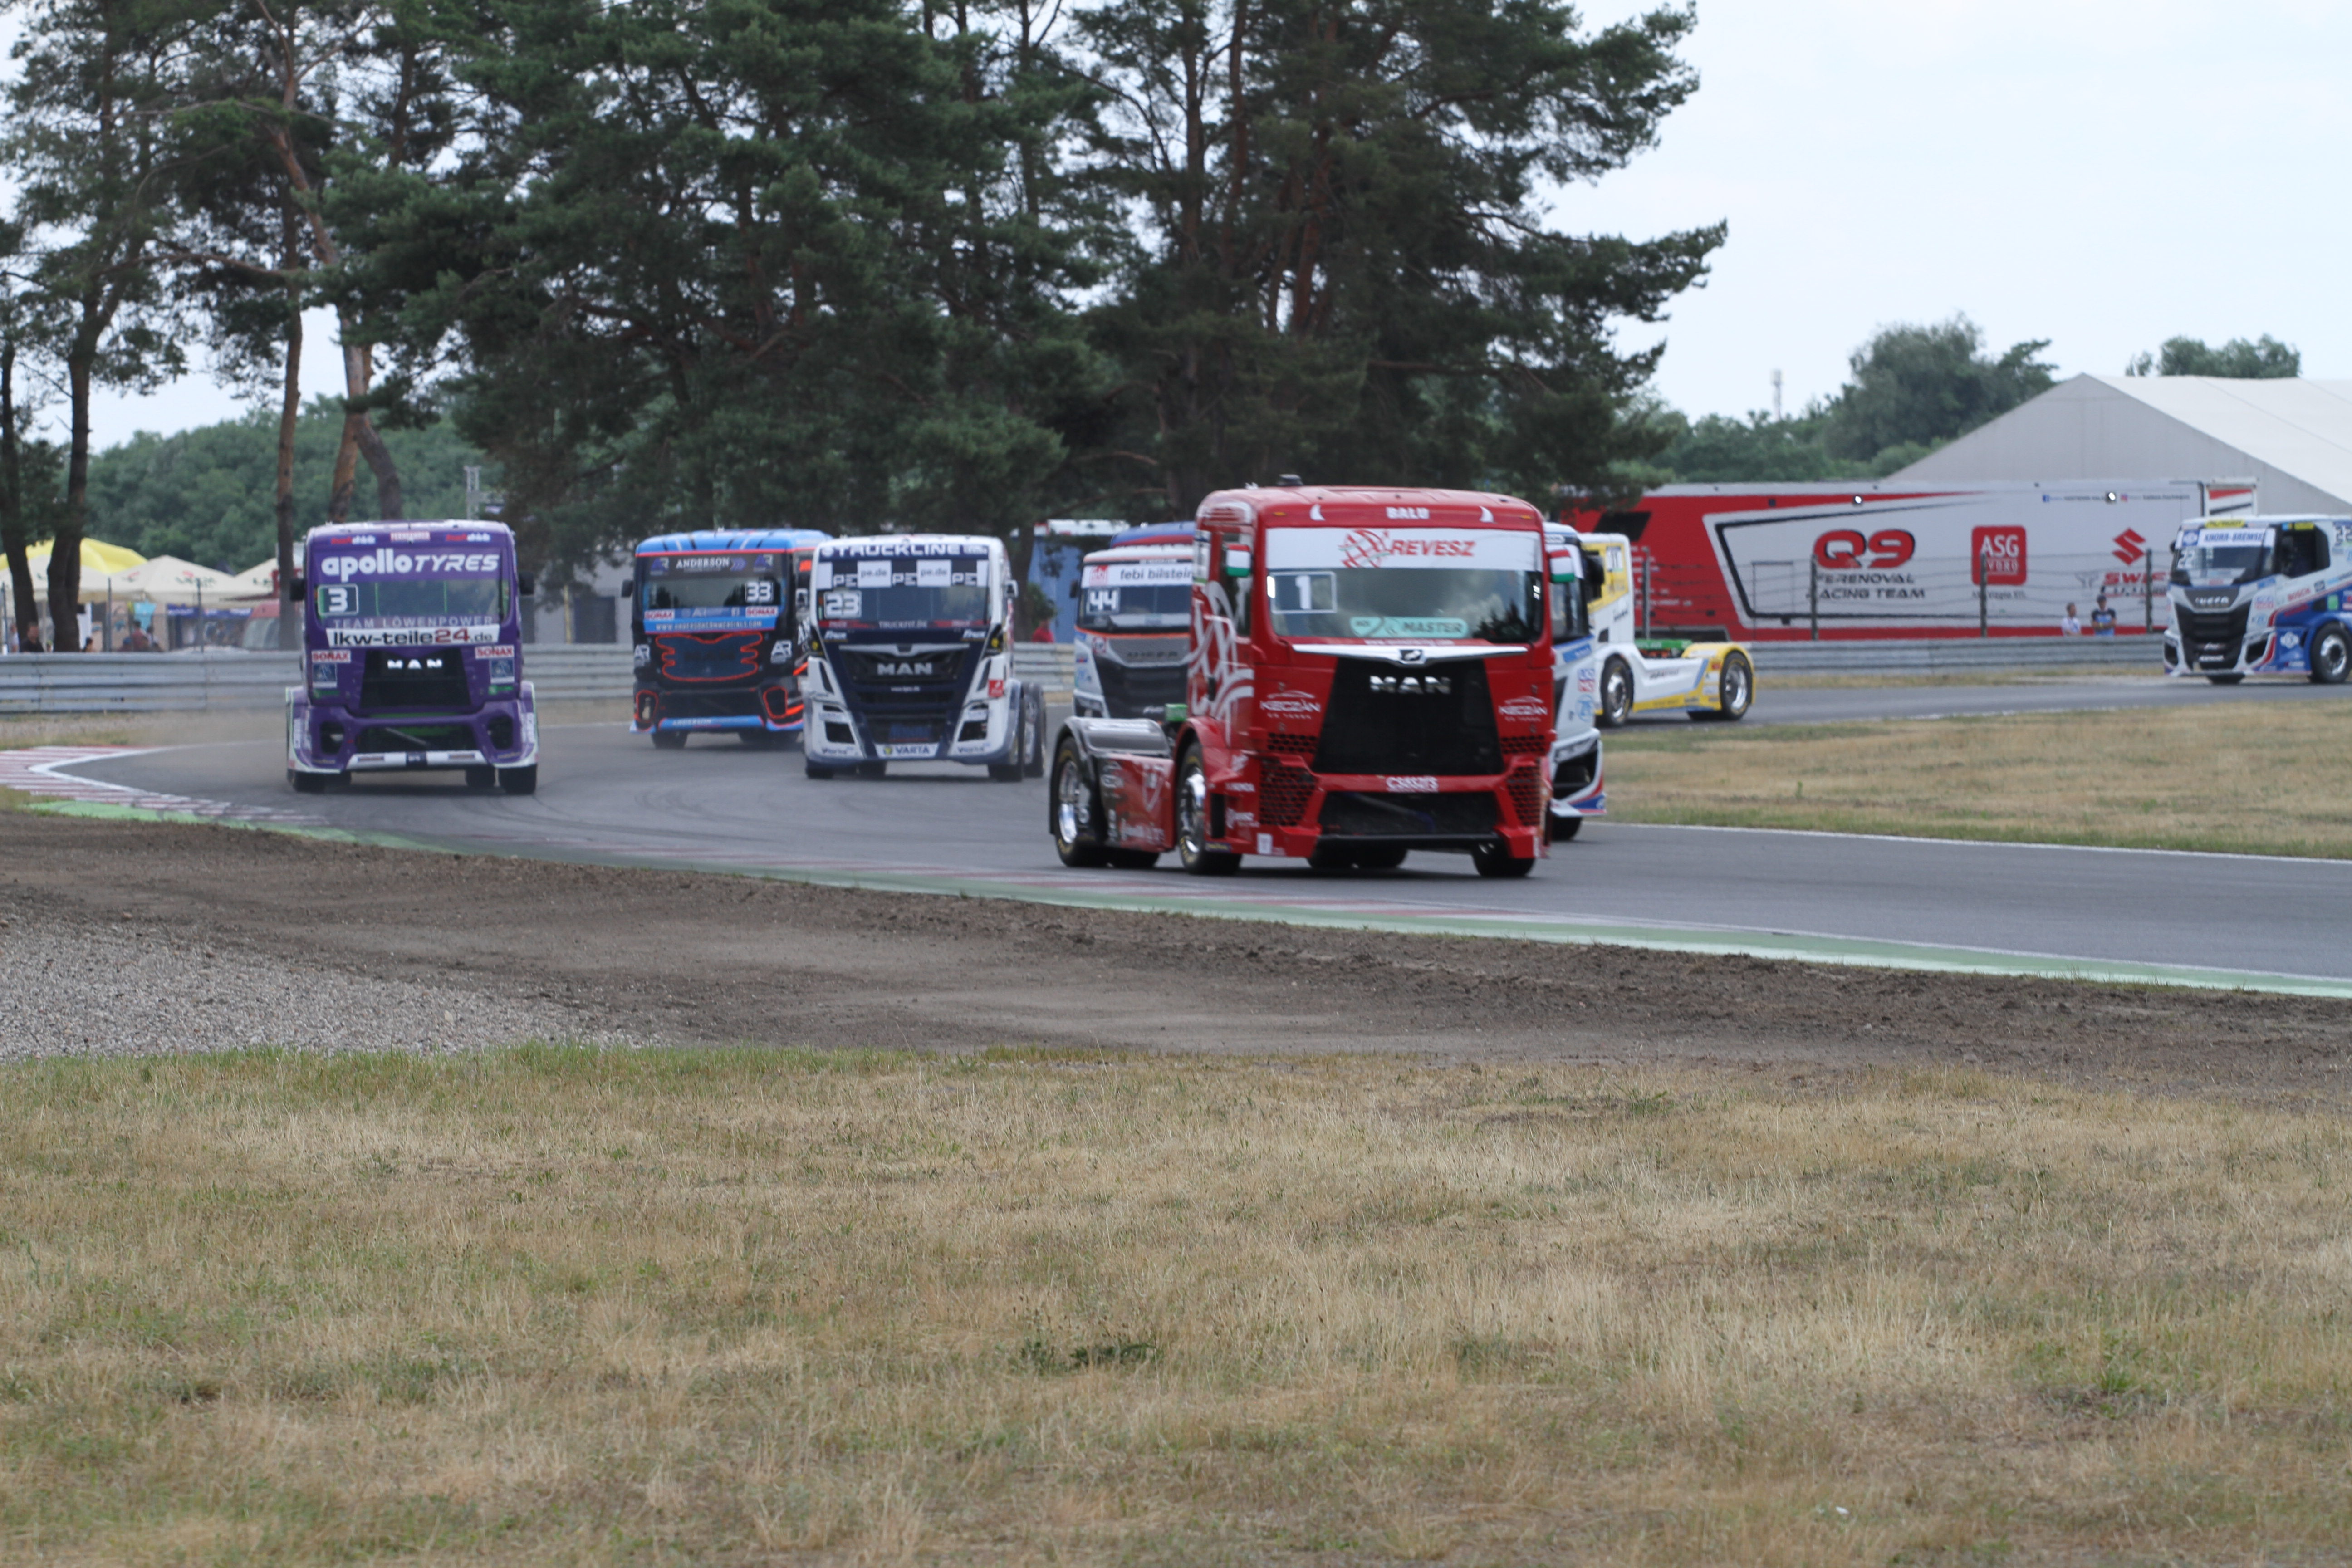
(718,641)
(2261,595)
(412,657)
(1727,562)
(1707,677)
(1135,620)
(911,659)
(1371,673)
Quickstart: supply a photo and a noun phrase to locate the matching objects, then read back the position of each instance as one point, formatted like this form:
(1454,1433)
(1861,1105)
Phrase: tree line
(953,264)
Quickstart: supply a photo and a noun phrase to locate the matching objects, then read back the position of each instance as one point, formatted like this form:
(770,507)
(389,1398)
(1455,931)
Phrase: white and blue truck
(910,660)
(2261,595)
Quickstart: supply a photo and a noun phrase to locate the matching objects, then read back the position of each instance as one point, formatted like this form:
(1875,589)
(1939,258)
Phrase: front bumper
(329,738)
(1577,787)
(772,708)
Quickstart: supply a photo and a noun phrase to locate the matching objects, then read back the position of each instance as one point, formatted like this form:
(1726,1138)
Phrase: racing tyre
(817,770)
(1035,767)
(519,781)
(481,778)
(670,739)
(1616,694)
(1131,860)
(1494,860)
(2331,657)
(1076,812)
(2225,679)
(306,784)
(873,770)
(1386,857)
(1561,830)
(1735,688)
(1192,821)
(1005,773)
(1331,858)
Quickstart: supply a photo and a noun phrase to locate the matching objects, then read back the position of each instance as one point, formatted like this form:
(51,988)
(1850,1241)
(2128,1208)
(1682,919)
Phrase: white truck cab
(910,659)
(1576,789)
(1704,680)
(1135,626)
(2261,596)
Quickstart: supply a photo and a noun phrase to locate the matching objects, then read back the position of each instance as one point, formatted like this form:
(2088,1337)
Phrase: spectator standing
(2102,619)
(2069,626)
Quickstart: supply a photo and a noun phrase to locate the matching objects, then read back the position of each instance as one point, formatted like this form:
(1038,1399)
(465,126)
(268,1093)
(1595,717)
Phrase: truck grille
(423,680)
(1438,720)
(920,688)
(2209,636)
(691,658)
(1349,813)
(742,704)
(1139,693)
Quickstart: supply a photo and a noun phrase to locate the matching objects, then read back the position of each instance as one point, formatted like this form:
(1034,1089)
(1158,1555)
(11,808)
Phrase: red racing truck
(1370,673)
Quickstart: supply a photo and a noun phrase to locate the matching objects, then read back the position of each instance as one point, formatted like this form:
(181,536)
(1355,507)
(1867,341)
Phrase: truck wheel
(1331,857)
(519,781)
(1494,860)
(815,770)
(1616,694)
(2225,679)
(484,777)
(873,770)
(1037,759)
(306,784)
(670,739)
(1078,815)
(1192,821)
(2331,657)
(1561,830)
(1131,860)
(1386,858)
(1736,689)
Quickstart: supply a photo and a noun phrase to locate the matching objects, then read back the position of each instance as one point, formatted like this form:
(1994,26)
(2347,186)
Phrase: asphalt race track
(608,796)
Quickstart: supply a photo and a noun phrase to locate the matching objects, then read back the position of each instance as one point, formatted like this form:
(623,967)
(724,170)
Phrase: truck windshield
(712,591)
(2222,560)
(1428,584)
(412,601)
(1135,595)
(903,592)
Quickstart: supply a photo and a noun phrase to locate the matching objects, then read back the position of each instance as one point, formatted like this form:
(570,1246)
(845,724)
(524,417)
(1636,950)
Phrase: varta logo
(1414,685)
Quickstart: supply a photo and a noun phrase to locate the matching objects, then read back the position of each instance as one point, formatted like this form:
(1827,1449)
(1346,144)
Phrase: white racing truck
(1135,624)
(1705,680)
(910,660)
(1576,778)
(2261,595)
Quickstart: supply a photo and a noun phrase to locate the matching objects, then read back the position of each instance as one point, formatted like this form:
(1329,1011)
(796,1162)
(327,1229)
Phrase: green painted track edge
(1857,953)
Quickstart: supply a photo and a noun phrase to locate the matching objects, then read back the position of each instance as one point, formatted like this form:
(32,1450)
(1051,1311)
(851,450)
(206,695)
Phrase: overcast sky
(2104,173)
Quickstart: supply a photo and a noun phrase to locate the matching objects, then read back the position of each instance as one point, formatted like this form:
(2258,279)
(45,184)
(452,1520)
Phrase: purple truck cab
(412,658)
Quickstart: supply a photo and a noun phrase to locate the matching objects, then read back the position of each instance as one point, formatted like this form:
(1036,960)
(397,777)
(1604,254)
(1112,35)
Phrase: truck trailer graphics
(2261,595)
(716,634)
(412,658)
(1371,673)
(1759,562)
(911,658)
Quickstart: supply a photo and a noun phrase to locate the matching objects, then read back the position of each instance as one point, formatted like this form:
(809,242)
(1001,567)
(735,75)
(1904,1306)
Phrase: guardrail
(2134,653)
(1053,666)
(205,682)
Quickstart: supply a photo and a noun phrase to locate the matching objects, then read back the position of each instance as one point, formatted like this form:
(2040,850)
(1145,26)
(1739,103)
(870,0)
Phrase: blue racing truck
(910,660)
(717,635)
(2261,595)
(412,657)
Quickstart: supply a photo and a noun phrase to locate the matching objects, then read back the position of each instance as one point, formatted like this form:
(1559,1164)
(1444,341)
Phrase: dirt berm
(658,956)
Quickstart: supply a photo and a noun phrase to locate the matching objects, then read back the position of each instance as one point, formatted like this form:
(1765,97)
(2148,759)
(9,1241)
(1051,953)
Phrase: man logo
(885,668)
(1412,685)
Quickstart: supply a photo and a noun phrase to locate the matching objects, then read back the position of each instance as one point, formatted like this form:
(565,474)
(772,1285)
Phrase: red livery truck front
(1370,673)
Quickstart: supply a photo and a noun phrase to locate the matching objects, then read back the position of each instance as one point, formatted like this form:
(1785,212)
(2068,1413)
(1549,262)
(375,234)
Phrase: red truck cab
(1370,673)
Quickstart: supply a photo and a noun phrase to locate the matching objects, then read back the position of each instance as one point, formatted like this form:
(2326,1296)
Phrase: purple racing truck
(412,657)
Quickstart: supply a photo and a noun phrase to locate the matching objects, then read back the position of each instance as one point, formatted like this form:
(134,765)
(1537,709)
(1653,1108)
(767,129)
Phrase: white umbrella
(168,579)
(256,582)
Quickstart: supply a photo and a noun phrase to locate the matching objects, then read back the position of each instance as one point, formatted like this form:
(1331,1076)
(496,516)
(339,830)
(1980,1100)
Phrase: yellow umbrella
(98,557)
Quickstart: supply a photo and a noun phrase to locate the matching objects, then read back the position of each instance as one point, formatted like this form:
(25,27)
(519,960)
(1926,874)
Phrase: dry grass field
(555,1306)
(2266,779)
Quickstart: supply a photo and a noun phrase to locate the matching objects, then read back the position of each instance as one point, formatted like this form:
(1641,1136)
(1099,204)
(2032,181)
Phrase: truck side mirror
(629,586)
(526,585)
(1237,560)
(298,589)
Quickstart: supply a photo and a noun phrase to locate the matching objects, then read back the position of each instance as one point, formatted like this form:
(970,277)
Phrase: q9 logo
(1845,550)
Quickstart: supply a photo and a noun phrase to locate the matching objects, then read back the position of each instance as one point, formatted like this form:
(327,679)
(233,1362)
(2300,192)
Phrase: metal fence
(2133,654)
(206,682)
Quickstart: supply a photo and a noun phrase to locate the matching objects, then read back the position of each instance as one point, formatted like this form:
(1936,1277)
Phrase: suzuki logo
(1412,685)
(2130,547)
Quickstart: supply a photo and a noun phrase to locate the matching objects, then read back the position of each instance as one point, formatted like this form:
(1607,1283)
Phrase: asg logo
(1846,549)
(1997,557)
